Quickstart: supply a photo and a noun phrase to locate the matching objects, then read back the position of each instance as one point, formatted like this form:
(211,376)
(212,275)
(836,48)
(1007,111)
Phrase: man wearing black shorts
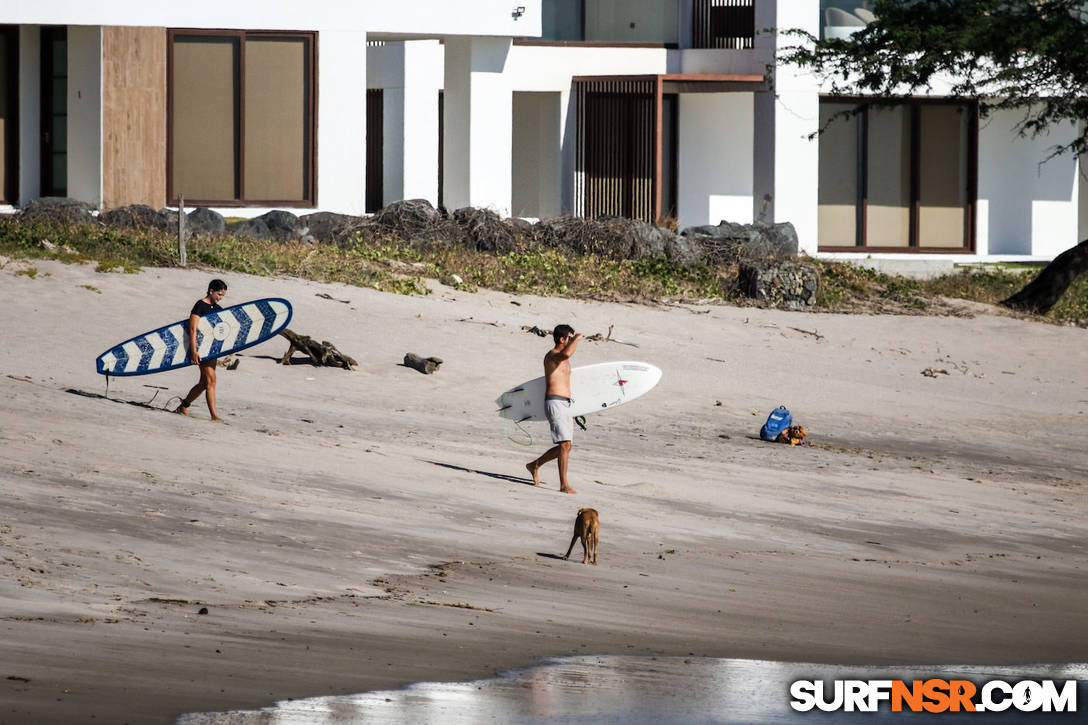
(217,290)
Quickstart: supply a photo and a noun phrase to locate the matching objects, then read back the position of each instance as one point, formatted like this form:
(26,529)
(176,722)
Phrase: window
(899,177)
(241,117)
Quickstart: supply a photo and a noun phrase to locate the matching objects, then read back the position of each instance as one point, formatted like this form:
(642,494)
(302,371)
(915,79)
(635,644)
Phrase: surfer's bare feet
(568,489)
(533,469)
(217,419)
(182,410)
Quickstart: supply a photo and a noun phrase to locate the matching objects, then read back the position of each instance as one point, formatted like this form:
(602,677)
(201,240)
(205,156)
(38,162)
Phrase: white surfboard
(592,388)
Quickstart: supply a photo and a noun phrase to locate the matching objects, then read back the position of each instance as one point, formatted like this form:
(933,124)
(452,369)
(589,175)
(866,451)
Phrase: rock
(57,209)
(648,241)
(327,226)
(170,218)
(483,230)
(204,221)
(685,251)
(283,225)
(782,284)
(136,216)
(729,242)
(255,228)
(410,216)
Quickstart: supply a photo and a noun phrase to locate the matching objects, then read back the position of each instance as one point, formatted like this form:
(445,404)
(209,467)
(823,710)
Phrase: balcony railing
(723,24)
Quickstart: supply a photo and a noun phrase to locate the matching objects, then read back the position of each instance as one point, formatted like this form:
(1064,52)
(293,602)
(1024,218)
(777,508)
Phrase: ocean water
(647,690)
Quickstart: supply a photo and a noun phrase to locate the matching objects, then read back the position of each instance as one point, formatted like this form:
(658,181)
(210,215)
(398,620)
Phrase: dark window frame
(914,106)
(49,73)
(309,199)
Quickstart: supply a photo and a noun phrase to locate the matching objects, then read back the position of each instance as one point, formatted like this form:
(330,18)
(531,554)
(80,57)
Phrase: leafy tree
(1026,55)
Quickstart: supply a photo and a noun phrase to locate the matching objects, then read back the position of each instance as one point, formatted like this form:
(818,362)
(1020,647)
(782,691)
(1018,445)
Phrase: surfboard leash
(527,434)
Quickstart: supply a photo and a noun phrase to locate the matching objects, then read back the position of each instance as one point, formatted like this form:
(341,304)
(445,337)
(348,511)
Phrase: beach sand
(350,531)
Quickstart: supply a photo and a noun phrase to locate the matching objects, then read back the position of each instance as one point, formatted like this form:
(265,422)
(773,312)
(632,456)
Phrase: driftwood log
(320,353)
(425,365)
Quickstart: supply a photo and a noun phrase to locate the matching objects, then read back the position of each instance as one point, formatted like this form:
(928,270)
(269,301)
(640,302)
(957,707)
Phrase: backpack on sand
(778,421)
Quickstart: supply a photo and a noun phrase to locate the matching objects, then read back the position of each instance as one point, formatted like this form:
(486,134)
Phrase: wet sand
(354,531)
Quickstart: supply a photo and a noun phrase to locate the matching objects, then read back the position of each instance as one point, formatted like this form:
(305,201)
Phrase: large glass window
(611,21)
(897,177)
(241,117)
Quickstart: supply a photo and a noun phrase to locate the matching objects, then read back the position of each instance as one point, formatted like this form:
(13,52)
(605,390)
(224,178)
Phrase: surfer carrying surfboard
(557,403)
(217,290)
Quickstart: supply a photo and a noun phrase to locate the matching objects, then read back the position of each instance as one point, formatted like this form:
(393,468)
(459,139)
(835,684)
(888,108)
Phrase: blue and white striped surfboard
(218,333)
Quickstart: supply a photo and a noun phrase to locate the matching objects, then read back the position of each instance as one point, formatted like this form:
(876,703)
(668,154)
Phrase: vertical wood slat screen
(614,174)
(723,24)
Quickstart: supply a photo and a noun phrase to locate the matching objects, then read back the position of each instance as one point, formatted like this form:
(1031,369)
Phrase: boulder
(136,216)
(204,221)
(283,225)
(730,242)
(170,218)
(408,218)
(684,250)
(648,241)
(327,226)
(255,228)
(57,209)
(483,230)
(782,284)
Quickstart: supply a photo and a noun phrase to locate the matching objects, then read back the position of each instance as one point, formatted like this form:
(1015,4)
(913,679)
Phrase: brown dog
(586,526)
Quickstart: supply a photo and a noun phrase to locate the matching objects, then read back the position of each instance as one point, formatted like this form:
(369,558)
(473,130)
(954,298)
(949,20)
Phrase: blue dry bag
(778,421)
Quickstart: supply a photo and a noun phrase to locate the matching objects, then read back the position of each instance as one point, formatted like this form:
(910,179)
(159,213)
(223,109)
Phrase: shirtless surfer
(557,404)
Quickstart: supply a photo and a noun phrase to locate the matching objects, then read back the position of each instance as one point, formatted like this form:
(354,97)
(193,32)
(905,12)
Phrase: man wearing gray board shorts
(557,403)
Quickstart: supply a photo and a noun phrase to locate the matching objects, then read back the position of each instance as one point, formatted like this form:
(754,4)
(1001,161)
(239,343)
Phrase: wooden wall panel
(133,116)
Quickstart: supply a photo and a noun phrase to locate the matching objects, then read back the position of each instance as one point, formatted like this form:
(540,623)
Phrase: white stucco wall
(417,17)
(411,74)
(1025,206)
(85,114)
(341,122)
(546,68)
(715,159)
(786,161)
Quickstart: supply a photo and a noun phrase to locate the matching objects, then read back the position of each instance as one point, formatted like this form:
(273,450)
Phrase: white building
(641,108)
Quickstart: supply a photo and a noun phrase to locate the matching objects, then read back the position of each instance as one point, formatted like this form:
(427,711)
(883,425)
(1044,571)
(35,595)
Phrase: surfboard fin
(581,421)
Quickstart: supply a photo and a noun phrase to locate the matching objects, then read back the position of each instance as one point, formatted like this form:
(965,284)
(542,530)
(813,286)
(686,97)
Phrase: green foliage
(402,268)
(1026,55)
(31,272)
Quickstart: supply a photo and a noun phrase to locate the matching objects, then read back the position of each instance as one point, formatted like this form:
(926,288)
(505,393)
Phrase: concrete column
(410,121)
(478,124)
(85,113)
(30,108)
(568,143)
(341,122)
(786,161)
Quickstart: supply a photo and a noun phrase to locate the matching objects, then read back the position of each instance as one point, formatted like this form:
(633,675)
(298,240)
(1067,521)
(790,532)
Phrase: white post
(478,124)
(182,257)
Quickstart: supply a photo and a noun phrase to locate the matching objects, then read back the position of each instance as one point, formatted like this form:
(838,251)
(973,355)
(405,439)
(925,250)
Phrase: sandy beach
(350,531)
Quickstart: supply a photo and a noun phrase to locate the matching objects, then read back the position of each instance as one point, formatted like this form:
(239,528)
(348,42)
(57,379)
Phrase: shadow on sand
(146,405)
(501,476)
